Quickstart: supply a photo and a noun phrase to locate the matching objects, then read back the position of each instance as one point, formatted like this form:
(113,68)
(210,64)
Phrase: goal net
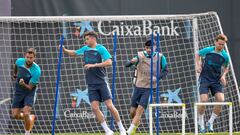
(180,35)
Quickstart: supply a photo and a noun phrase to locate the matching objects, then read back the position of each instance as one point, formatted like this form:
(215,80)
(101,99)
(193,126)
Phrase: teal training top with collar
(213,62)
(99,54)
(29,75)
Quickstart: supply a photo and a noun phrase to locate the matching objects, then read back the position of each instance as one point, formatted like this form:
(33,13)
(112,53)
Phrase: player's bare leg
(97,111)
(28,119)
(136,120)
(201,110)
(137,117)
(16,114)
(100,117)
(112,109)
(133,112)
(116,116)
(219,97)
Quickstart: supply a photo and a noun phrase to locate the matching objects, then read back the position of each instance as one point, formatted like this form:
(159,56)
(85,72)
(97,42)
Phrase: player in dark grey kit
(96,58)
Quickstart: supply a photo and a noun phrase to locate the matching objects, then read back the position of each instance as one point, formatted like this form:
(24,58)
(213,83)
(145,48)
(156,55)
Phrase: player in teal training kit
(140,97)
(27,74)
(96,58)
(213,69)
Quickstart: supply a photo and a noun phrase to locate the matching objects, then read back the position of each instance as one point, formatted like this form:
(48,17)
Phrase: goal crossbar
(99,18)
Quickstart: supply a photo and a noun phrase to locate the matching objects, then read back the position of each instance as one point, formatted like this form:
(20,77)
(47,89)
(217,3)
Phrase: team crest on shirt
(95,53)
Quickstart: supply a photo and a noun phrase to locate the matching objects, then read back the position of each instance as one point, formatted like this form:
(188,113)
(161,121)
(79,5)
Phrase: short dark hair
(91,33)
(31,51)
(149,43)
(221,37)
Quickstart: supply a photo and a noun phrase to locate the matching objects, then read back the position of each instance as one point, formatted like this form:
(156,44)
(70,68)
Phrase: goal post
(196,49)
(183,106)
(230,114)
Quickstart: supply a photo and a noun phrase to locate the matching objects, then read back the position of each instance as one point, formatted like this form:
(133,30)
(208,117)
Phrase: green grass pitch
(220,133)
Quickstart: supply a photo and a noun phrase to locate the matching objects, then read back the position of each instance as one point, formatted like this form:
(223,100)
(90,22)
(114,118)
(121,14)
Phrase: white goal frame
(196,31)
(167,105)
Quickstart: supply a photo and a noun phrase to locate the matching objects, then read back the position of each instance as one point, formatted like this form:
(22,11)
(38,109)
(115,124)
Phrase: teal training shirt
(95,55)
(213,62)
(30,75)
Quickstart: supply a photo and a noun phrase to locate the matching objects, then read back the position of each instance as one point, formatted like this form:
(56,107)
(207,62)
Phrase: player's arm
(107,61)
(198,63)
(164,69)
(15,67)
(225,71)
(104,64)
(69,52)
(201,54)
(223,77)
(15,70)
(29,86)
(33,81)
(131,62)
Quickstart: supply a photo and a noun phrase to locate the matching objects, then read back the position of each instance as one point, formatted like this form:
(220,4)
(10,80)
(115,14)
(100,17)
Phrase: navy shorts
(214,87)
(140,97)
(22,99)
(99,92)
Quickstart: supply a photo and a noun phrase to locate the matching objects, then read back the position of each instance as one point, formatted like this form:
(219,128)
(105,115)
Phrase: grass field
(220,133)
(160,134)
(155,134)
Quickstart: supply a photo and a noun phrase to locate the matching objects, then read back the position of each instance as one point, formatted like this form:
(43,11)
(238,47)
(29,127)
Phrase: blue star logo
(172,96)
(84,26)
(81,95)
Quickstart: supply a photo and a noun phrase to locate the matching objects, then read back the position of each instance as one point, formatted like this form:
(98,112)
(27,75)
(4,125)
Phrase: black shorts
(99,92)
(22,99)
(214,87)
(140,97)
